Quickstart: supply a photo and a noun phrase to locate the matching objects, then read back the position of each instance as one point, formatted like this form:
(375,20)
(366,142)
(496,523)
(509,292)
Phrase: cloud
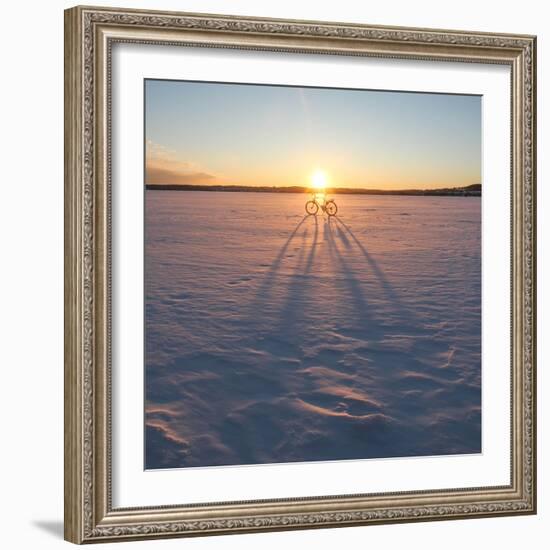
(163,166)
(158,175)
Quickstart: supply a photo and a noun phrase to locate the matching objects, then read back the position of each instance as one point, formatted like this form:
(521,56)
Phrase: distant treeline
(468,191)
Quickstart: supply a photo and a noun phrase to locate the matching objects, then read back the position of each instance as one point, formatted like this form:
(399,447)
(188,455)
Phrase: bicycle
(327,206)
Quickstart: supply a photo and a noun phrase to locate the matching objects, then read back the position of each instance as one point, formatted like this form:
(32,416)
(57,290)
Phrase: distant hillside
(468,191)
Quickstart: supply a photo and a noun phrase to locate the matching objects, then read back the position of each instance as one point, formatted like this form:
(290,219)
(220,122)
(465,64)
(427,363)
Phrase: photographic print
(312,274)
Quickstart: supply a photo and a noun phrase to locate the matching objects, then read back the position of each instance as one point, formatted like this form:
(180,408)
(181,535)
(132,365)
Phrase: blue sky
(210,133)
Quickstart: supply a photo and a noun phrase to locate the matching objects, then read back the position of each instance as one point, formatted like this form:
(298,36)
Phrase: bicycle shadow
(300,281)
(272,272)
(385,285)
(282,294)
(360,300)
(298,277)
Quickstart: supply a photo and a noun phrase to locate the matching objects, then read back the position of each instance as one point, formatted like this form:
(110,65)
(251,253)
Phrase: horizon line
(471,188)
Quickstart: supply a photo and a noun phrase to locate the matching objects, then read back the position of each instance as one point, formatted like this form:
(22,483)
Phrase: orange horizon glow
(164,167)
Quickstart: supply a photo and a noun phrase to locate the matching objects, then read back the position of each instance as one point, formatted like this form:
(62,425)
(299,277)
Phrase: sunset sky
(236,134)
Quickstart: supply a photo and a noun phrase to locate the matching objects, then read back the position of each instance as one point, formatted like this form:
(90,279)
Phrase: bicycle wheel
(331,208)
(311,207)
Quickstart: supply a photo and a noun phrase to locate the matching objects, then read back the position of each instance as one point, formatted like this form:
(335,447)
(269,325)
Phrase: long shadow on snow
(274,268)
(299,282)
(387,288)
(358,297)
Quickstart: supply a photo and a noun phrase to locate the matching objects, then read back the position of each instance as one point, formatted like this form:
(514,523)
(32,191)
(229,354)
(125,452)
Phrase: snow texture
(272,336)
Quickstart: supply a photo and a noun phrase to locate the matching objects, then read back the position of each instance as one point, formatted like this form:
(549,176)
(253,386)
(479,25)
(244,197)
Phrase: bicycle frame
(319,200)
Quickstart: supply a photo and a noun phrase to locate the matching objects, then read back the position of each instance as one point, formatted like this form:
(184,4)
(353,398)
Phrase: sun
(319,179)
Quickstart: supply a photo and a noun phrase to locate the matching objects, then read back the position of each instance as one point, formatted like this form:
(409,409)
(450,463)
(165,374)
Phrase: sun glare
(319,179)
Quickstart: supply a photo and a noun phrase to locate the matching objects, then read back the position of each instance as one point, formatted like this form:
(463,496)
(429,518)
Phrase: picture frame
(90,36)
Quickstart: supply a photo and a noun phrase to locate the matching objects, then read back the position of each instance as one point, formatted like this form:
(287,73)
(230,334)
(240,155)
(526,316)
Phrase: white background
(31,213)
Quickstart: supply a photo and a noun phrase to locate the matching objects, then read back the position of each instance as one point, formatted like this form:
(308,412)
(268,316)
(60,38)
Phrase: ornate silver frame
(89,36)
